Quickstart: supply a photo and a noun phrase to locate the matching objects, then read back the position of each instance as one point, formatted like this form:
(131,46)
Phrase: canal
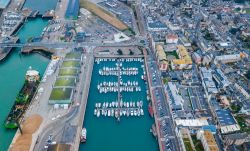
(106,133)
(14,67)
(12,74)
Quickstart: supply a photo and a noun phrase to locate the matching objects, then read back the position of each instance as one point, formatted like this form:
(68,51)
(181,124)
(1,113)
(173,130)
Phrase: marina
(117,107)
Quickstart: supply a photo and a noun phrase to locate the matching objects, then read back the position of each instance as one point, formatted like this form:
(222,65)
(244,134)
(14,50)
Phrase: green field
(187,144)
(71,64)
(173,53)
(197,144)
(247,10)
(73,55)
(60,94)
(67,72)
(63,81)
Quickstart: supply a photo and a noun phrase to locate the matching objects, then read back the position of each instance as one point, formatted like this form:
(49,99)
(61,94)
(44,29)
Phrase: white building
(171,39)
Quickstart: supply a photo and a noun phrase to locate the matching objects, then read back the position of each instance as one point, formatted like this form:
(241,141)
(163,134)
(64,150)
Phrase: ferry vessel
(23,99)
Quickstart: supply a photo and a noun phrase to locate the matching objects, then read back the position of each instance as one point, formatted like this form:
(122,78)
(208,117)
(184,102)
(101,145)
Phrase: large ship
(23,99)
(83,137)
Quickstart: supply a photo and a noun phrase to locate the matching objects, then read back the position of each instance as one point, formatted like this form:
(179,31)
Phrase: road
(165,125)
(133,42)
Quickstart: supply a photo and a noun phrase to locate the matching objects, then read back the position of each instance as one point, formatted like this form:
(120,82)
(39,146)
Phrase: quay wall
(153,103)
(84,100)
(117,56)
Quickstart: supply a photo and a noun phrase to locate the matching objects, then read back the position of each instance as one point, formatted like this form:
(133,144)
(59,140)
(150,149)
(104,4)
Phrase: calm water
(105,133)
(40,5)
(12,72)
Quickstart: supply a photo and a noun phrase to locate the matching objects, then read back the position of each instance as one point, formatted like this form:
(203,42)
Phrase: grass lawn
(67,72)
(73,55)
(242,122)
(197,144)
(187,144)
(60,94)
(70,64)
(65,81)
(247,10)
(165,80)
(173,53)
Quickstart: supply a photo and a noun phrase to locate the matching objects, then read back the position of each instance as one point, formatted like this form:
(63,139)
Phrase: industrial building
(72,9)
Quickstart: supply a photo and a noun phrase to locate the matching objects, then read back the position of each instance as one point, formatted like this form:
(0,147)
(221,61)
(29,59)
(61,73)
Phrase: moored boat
(83,136)
(23,99)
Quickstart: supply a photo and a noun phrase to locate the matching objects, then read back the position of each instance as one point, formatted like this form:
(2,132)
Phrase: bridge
(68,44)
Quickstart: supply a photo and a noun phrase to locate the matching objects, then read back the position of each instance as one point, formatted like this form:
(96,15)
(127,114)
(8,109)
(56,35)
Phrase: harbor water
(12,74)
(41,5)
(131,133)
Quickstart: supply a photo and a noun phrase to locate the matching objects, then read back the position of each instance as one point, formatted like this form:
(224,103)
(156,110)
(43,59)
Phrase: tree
(119,51)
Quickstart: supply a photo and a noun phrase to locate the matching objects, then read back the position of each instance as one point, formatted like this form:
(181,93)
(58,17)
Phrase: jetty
(49,14)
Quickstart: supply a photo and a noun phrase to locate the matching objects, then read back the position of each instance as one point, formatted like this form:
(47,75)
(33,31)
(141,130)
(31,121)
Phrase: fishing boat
(23,99)
(83,136)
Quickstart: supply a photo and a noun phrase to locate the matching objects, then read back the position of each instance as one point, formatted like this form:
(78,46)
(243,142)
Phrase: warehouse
(72,9)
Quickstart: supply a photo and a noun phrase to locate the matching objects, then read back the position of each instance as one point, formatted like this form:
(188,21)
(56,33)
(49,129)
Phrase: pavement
(66,129)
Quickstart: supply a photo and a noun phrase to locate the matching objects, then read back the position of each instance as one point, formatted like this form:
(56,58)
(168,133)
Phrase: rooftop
(184,56)
(225,117)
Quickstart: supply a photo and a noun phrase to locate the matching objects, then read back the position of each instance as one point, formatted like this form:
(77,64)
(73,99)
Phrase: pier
(119,90)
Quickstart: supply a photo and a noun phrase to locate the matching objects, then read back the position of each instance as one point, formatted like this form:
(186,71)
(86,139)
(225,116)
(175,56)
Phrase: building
(221,79)
(72,9)
(207,82)
(197,58)
(207,140)
(176,99)
(155,25)
(228,58)
(207,59)
(184,61)
(237,139)
(162,58)
(226,121)
(171,39)
(4,3)
(191,122)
